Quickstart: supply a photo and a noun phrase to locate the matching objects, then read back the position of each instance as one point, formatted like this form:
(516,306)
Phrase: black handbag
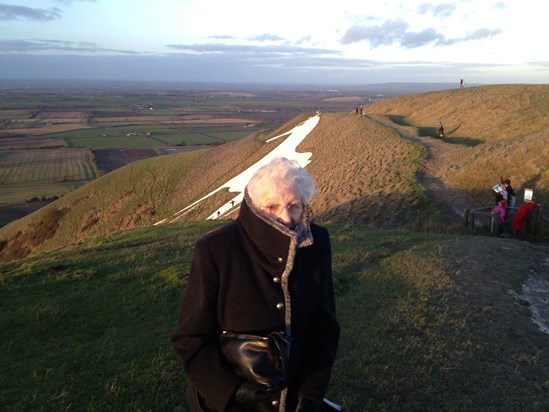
(258,359)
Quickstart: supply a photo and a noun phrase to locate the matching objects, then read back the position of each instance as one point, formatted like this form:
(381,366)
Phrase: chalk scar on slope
(238,183)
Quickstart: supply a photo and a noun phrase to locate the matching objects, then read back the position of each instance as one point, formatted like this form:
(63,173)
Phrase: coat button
(276,279)
(280,306)
(280,260)
(275,403)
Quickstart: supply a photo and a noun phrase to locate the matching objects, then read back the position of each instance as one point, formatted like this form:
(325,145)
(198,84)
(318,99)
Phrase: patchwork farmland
(60,165)
(55,138)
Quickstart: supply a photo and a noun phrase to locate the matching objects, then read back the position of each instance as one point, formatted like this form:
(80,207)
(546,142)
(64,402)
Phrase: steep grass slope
(358,165)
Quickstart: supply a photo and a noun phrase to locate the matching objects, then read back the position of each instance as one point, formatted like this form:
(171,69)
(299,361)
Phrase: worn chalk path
(238,183)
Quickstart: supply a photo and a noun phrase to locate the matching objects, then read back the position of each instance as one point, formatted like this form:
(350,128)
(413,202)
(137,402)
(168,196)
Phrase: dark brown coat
(253,275)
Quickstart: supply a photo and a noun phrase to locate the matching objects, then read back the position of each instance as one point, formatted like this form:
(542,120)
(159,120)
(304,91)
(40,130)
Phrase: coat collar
(261,228)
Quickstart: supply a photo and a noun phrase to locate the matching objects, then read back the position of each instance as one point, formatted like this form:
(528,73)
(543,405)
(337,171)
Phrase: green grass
(25,166)
(428,323)
(129,142)
(22,192)
(112,136)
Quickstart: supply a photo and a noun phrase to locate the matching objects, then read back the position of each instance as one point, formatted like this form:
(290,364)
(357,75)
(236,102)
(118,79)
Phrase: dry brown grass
(484,113)
(523,159)
(364,171)
(509,124)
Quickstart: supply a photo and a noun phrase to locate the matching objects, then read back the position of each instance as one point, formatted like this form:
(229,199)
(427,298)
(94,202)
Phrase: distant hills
(366,172)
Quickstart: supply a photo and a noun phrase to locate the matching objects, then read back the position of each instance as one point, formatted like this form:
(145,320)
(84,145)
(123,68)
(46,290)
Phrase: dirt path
(451,205)
(449,202)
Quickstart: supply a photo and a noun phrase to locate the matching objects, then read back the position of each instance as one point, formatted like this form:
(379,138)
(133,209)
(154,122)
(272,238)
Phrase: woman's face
(285,208)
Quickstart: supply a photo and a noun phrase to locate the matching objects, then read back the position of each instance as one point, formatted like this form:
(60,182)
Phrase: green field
(428,324)
(45,165)
(38,174)
(23,192)
(151,135)
(112,142)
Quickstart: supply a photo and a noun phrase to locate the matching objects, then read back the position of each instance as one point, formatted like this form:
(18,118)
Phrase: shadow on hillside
(383,210)
(400,120)
(463,141)
(423,131)
(428,131)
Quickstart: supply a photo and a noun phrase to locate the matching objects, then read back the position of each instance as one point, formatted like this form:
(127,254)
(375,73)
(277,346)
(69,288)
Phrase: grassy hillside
(483,113)
(139,194)
(491,131)
(366,172)
(429,322)
(363,170)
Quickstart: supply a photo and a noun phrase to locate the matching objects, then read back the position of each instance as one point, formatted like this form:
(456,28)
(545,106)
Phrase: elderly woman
(267,271)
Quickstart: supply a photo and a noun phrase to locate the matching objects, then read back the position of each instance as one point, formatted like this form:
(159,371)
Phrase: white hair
(282,175)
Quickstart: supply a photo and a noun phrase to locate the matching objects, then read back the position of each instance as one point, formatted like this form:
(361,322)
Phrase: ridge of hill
(491,131)
(367,172)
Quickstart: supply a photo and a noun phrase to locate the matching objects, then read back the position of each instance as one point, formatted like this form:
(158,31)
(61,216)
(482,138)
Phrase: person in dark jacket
(511,197)
(269,270)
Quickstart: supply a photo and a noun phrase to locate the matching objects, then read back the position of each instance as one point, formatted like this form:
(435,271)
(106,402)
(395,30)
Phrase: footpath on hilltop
(450,203)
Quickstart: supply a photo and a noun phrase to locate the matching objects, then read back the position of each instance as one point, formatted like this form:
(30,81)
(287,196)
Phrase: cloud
(11,12)
(249,50)
(384,34)
(396,31)
(482,34)
(411,40)
(501,5)
(441,10)
(266,37)
(73,1)
(304,39)
(54,46)
(222,37)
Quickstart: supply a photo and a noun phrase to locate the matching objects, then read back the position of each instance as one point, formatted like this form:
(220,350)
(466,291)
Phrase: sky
(339,42)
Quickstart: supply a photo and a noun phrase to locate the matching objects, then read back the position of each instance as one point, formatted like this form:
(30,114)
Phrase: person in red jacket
(519,220)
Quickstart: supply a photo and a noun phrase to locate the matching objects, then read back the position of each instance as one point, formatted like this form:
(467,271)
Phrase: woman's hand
(251,393)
